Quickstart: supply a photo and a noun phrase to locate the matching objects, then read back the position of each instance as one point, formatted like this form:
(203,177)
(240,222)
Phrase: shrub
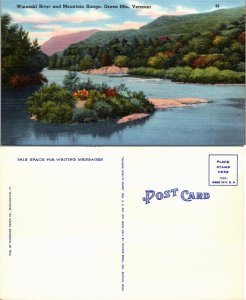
(179,74)
(228,76)
(71,81)
(110,92)
(123,91)
(84,115)
(147,106)
(103,109)
(94,97)
(20,81)
(207,75)
(150,72)
(90,85)
(121,106)
(56,96)
(104,102)
(241,67)
(52,112)
(136,105)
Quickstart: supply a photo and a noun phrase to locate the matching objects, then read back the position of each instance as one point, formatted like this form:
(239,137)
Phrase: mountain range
(164,25)
(60,42)
(173,25)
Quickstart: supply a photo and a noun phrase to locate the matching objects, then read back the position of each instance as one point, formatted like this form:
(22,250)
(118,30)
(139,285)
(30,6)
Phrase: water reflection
(15,117)
(99,129)
(237,103)
(219,122)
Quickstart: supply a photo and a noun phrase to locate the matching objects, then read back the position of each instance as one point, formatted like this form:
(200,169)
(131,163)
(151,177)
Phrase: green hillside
(192,23)
(103,37)
(173,26)
(216,54)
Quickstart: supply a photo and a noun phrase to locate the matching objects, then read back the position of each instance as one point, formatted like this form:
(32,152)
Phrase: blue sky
(43,23)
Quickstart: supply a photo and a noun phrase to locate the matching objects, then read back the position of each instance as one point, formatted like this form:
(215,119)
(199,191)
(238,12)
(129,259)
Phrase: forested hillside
(172,26)
(222,47)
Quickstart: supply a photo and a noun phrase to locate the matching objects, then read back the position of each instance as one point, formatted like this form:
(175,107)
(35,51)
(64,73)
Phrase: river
(218,122)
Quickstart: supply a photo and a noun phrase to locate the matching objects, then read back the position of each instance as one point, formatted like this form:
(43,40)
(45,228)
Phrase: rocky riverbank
(168,103)
(107,71)
(163,104)
(132,117)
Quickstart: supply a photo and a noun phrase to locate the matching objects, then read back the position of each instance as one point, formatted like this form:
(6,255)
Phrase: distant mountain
(191,23)
(173,26)
(61,42)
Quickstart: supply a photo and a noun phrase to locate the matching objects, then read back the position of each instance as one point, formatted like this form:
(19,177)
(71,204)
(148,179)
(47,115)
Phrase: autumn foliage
(110,92)
(20,81)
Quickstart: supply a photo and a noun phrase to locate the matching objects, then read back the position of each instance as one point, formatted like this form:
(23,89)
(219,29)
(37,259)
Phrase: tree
(161,60)
(200,44)
(71,81)
(20,56)
(121,61)
(221,41)
(86,63)
(219,27)
(53,61)
(37,63)
(105,59)
(189,58)
(241,38)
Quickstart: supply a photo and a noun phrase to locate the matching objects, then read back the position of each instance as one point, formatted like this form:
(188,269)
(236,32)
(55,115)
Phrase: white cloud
(30,16)
(33,16)
(124,26)
(41,36)
(156,10)
(37,34)
(81,16)
(56,30)
(47,26)
(60,30)
(64,30)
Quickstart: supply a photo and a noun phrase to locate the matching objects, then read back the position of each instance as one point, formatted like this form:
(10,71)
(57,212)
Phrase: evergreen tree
(20,56)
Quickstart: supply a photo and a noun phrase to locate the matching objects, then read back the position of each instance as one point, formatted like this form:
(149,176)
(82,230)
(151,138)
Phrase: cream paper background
(66,226)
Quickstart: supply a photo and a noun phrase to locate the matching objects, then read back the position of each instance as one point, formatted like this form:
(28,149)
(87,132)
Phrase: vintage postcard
(80,222)
(123,73)
(121,223)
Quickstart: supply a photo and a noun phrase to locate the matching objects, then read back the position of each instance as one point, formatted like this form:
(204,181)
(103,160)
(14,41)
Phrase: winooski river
(218,122)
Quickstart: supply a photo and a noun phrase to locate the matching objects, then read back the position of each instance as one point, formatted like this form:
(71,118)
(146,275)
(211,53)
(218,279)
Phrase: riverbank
(209,75)
(109,70)
(163,104)
(168,103)
(132,117)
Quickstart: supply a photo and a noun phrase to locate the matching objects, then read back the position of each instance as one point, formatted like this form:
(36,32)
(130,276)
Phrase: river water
(219,122)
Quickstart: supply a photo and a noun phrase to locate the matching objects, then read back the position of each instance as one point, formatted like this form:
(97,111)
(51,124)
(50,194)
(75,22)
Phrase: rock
(34,117)
(168,103)
(192,100)
(107,70)
(132,117)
